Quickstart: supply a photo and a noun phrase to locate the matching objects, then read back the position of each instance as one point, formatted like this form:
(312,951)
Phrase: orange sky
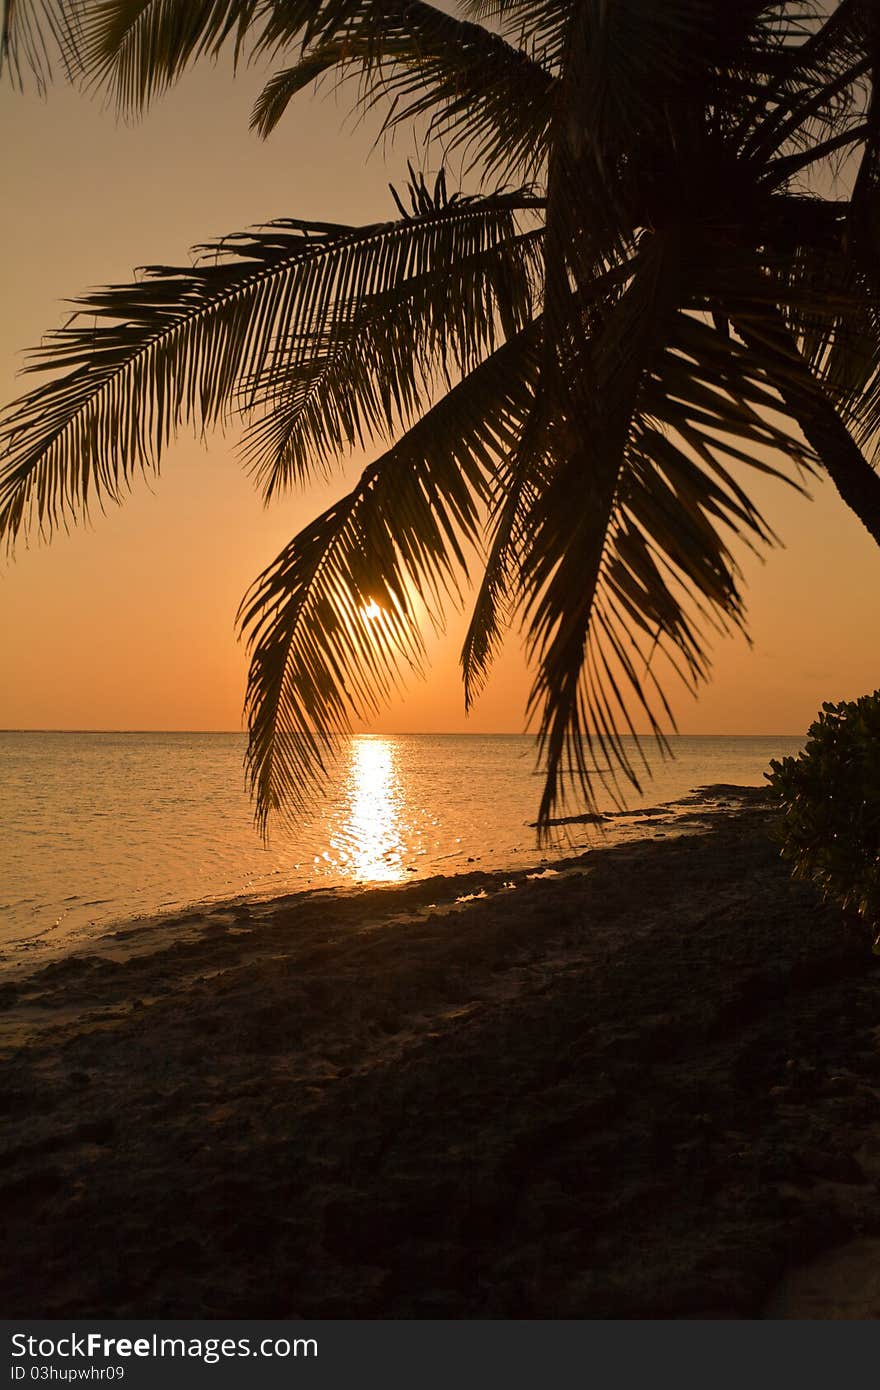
(129,623)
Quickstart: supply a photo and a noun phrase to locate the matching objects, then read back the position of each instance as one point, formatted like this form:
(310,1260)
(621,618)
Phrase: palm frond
(366,371)
(194,344)
(135,49)
(630,559)
(563,567)
(814,83)
(829,298)
(35,35)
(475,91)
(539,27)
(316,660)
(517,487)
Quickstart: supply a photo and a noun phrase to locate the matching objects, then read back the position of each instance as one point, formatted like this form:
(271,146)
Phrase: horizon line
(409,733)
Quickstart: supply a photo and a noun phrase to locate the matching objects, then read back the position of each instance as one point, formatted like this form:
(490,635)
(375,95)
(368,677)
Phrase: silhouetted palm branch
(473,90)
(399,536)
(668,305)
(243,329)
(35,35)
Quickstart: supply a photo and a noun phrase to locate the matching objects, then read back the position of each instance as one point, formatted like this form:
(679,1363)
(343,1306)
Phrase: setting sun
(372,611)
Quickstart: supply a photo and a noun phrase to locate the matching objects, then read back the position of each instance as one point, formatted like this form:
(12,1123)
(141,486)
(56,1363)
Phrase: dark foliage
(831,796)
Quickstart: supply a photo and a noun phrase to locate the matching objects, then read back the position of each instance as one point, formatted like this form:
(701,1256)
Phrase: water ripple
(99,827)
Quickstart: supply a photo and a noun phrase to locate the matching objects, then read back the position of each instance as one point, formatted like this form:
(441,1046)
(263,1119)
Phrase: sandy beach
(645,1086)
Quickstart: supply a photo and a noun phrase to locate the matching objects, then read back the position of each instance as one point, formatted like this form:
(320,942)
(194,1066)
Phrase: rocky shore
(646,1086)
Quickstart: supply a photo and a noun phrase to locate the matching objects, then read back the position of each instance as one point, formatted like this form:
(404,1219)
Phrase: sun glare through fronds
(372,611)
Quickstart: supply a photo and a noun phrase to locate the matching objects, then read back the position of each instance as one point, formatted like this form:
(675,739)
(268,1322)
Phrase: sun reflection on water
(374,848)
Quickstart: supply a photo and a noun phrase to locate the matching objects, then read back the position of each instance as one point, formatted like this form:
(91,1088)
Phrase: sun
(372,611)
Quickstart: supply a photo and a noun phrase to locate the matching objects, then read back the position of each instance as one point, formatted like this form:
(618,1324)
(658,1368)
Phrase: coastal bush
(831,798)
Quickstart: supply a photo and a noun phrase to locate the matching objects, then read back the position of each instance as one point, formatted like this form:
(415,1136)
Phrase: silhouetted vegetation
(648,294)
(831,796)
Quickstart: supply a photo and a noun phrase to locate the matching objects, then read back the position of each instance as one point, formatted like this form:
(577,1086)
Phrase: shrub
(831,798)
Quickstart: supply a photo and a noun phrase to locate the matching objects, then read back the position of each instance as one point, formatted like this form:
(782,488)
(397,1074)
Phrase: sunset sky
(129,623)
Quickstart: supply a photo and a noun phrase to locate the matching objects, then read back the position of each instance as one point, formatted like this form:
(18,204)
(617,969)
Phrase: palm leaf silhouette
(244,329)
(573,369)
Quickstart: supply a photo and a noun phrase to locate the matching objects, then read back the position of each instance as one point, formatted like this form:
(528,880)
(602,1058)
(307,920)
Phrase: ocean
(102,827)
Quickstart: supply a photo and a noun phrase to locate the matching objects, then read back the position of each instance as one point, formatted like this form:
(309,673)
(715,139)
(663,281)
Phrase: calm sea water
(99,827)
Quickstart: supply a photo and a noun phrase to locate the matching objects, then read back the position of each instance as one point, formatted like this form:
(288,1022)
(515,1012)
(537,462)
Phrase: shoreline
(644,1086)
(21,955)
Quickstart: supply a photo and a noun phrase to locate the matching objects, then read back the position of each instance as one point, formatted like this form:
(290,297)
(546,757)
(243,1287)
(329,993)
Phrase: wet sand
(646,1086)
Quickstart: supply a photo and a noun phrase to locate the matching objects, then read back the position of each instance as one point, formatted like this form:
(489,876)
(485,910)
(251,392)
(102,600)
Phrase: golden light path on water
(371,844)
(100,828)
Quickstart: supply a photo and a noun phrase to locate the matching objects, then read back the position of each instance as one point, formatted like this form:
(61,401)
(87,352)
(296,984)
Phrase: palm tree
(646,296)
